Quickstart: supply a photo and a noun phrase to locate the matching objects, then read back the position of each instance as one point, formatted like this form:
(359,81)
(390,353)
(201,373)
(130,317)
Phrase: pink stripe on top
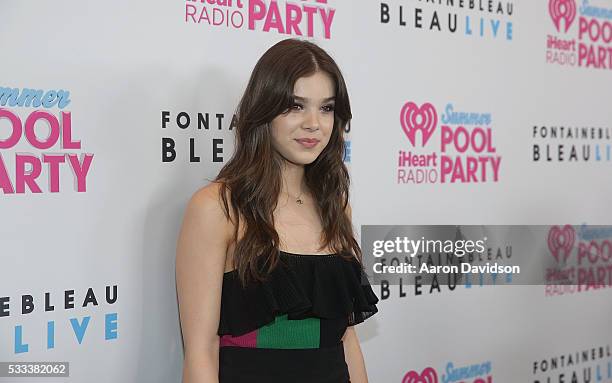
(247,340)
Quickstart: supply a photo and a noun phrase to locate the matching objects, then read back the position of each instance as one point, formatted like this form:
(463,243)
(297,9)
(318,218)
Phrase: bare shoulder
(208,196)
(206,229)
(206,202)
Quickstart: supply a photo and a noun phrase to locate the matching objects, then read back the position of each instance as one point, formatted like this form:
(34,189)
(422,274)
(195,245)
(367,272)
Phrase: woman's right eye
(292,108)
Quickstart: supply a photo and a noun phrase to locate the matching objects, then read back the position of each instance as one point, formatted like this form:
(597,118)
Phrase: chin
(303,160)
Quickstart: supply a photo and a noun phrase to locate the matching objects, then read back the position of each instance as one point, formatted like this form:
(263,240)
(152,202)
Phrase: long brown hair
(253,174)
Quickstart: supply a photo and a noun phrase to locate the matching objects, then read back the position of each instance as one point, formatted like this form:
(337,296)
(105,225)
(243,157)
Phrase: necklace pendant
(299,201)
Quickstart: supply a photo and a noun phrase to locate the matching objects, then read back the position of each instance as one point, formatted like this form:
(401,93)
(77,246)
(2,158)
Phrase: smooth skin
(205,241)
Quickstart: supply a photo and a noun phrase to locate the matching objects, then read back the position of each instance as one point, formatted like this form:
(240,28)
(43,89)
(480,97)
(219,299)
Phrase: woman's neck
(293,179)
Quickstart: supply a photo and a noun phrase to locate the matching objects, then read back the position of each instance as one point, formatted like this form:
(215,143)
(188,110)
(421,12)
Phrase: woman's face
(302,132)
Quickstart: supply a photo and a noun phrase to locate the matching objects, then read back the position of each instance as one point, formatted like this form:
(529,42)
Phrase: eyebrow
(332,98)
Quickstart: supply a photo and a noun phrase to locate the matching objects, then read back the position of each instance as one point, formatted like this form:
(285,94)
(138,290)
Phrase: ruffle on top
(301,286)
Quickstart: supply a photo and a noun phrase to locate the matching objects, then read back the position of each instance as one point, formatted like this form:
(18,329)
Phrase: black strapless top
(326,287)
(289,328)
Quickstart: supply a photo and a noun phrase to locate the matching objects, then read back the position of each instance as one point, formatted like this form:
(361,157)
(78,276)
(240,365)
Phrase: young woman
(269,275)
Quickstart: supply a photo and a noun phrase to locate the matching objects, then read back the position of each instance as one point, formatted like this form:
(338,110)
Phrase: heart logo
(561,241)
(427,376)
(562,10)
(423,119)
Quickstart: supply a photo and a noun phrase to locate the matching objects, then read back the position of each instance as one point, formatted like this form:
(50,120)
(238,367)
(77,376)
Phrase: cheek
(327,137)
(329,126)
(282,129)
(281,139)
(278,133)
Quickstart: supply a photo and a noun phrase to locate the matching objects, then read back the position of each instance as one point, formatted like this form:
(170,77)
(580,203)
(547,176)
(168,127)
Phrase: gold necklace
(298,200)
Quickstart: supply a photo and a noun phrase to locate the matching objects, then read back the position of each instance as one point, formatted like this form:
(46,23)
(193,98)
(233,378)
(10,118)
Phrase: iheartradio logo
(418,119)
(562,10)
(561,241)
(428,375)
(464,151)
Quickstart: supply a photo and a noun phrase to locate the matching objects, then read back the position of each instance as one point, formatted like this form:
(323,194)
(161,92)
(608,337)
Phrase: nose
(311,121)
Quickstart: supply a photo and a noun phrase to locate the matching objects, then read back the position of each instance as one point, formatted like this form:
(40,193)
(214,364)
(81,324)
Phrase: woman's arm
(354,357)
(200,262)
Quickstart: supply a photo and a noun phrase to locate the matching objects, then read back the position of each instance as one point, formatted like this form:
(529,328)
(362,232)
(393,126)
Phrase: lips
(307,140)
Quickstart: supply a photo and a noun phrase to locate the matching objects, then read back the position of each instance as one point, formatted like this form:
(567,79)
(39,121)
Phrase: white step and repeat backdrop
(113,113)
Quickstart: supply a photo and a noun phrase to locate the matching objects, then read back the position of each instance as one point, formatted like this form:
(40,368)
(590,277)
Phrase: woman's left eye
(326,108)
(329,108)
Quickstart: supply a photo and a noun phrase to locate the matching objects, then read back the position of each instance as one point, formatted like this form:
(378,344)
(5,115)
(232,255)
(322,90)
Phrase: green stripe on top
(285,333)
